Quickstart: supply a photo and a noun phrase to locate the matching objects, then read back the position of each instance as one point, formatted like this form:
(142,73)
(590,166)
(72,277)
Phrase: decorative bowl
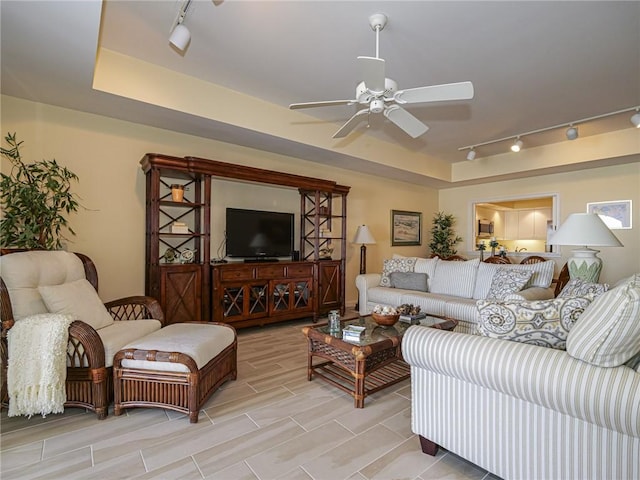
(385,320)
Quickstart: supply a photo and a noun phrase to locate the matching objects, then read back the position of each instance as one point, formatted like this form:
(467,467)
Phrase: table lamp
(587,230)
(363,237)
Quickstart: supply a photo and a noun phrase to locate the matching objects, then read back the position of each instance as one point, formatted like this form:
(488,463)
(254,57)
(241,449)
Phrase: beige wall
(105,154)
(575,190)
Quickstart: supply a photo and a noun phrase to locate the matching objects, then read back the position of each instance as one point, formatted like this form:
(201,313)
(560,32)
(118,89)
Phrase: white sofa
(524,411)
(452,287)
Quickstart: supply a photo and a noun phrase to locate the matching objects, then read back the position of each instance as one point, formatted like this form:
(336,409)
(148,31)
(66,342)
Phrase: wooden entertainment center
(190,287)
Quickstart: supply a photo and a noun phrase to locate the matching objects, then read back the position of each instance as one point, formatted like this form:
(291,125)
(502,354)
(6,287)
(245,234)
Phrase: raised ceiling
(533,65)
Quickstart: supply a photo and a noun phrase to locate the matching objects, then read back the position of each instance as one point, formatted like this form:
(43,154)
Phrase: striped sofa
(452,288)
(523,411)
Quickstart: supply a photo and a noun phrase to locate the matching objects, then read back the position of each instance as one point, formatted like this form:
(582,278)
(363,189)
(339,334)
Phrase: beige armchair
(35,282)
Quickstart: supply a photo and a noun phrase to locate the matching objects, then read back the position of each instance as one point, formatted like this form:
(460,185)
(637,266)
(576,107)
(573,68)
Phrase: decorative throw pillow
(608,333)
(545,323)
(409,280)
(506,281)
(404,264)
(578,287)
(78,299)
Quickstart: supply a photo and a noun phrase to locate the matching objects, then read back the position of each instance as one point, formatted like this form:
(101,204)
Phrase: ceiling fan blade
(435,93)
(407,122)
(351,124)
(373,73)
(330,103)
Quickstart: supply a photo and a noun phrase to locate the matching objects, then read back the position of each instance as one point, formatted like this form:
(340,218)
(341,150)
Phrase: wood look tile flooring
(271,423)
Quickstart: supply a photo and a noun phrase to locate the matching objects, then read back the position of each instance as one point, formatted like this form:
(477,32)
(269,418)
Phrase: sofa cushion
(430,303)
(116,336)
(200,341)
(23,272)
(545,323)
(455,278)
(386,295)
(409,280)
(608,334)
(462,309)
(578,287)
(506,281)
(542,275)
(428,266)
(403,264)
(78,299)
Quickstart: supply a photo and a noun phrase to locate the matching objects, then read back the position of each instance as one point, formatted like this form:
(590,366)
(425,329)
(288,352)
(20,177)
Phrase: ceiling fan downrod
(378,22)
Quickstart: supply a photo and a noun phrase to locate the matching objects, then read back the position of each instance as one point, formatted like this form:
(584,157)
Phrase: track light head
(517,145)
(572,132)
(471,155)
(635,119)
(180,37)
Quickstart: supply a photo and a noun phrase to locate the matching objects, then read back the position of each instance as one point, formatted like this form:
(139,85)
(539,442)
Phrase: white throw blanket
(37,367)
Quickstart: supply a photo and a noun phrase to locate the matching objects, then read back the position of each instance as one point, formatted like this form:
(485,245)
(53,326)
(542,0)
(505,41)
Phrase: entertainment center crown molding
(241,294)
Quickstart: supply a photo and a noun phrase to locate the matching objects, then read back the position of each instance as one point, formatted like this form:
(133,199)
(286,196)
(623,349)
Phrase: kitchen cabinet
(527,224)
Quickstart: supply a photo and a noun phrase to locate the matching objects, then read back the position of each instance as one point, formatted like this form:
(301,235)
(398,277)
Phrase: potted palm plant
(35,197)
(443,236)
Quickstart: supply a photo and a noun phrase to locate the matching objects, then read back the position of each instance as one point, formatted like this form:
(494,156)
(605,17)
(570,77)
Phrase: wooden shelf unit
(197,291)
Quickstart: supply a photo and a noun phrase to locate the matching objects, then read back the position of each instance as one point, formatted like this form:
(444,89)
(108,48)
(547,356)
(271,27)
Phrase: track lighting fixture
(517,145)
(471,155)
(572,133)
(180,34)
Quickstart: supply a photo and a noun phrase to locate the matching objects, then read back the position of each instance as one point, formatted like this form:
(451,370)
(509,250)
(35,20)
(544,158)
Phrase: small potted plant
(34,198)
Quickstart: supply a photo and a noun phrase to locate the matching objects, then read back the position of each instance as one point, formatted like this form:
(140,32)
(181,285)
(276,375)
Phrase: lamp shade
(589,230)
(586,229)
(363,236)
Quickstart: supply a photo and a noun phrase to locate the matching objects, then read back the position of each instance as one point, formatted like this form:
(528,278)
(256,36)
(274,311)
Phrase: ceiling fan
(381,94)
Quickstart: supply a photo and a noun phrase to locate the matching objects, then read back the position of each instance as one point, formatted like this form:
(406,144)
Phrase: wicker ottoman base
(177,367)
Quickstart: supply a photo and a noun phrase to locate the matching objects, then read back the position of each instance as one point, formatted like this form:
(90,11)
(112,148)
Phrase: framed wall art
(616,214)
(406,228)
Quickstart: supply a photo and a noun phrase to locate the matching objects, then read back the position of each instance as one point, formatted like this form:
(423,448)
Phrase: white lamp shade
(586,229)
(363,236)
(180,37)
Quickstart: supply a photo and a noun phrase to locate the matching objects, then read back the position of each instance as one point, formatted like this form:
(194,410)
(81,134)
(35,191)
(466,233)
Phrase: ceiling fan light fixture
(572,133)
(471,155)
(635,119)
(517,145)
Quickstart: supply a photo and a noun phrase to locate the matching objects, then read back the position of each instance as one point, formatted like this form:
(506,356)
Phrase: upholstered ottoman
(177,367)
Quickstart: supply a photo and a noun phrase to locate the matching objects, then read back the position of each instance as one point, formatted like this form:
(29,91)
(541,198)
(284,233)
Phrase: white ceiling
(533,64)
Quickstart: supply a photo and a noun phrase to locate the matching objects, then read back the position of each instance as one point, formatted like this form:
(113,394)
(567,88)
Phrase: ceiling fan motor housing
(364,95)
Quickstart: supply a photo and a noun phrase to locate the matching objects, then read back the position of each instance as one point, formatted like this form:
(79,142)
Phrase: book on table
(413,319)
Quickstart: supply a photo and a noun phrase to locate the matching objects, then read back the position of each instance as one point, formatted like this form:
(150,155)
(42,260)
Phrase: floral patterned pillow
(507,281)
(545,323)
(580,288)
(403,264)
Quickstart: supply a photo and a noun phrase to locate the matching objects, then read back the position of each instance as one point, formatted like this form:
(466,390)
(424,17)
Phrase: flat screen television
(259,234)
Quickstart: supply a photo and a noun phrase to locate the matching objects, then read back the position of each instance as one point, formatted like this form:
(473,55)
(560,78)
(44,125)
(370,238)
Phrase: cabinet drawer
(299,270)
(231,274)
(270,271)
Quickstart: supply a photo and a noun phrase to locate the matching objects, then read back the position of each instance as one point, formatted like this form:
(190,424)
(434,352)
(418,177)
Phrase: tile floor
(271,423)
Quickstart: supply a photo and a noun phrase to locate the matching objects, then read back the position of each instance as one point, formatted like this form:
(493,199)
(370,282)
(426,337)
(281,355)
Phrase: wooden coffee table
(365,367)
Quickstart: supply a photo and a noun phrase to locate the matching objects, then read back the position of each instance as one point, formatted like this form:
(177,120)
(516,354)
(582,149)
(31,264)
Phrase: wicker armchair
(89,381)
(533,259)
(497,259)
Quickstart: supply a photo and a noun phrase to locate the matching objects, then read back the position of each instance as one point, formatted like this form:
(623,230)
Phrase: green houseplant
(443,236)
(35,198)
